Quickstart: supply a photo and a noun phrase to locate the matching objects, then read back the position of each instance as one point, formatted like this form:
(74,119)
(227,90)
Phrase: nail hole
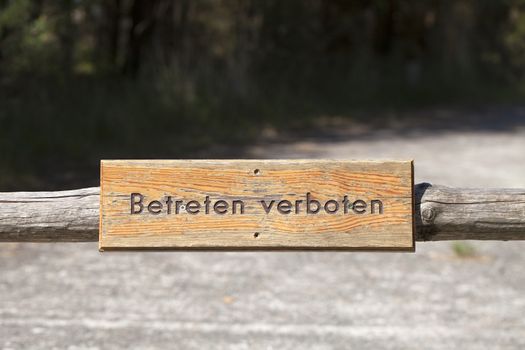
(256,234)
(256,171)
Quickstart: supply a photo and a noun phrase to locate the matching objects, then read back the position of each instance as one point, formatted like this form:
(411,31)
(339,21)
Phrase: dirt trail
(70,296)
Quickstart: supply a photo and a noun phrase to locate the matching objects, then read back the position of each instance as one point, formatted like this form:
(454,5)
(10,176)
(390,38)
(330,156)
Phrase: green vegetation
(464,250)
(90,79)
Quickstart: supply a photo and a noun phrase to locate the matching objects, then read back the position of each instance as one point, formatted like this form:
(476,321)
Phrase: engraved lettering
(309,203)
(220,207)
(207,205)
(193,207)
(169,205)
(177,206)
(267,207)
(155,207)
(376,203)
(236,203)
(334,204)
(284,207)
(359,206)
(297,202)
(169,202)
(345,204)
(135,203)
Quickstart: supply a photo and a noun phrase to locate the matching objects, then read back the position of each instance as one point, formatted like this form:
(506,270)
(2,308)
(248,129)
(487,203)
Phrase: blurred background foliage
(88,79)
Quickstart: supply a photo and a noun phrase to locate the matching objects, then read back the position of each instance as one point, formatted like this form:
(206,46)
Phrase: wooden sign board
(256,204)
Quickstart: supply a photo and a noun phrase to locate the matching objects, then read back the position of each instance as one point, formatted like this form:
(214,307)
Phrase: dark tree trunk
(140,33)
(384,33)
(66,36)
(114,35)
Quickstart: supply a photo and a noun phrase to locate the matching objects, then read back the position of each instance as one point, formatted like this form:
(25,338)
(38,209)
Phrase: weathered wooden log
(444,213)
(441,213)
(61,216)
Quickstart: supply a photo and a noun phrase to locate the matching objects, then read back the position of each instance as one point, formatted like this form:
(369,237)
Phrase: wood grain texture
(444,213)
(253,181)
(73,216)
(60,216)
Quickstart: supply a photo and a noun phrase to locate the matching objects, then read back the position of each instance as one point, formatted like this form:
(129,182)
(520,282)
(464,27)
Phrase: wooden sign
(256,204)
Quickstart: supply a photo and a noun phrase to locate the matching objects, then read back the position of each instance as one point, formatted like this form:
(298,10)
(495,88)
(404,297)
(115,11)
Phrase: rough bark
(444,213)
(441,213)
(62,216)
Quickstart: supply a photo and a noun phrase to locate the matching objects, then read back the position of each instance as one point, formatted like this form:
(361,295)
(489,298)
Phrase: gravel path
(70,296)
